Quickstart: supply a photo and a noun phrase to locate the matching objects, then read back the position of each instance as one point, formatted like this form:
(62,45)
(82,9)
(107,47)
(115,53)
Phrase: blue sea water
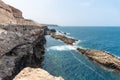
(63,60)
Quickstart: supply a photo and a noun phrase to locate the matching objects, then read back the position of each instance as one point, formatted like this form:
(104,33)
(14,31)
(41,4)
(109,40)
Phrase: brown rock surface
(16,13)
(11,15)
(103,58)
(65,39)
(35,74)
(6,15)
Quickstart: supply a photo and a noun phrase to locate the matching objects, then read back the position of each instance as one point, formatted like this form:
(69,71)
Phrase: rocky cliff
(11,15)
(20,46)
(21,43)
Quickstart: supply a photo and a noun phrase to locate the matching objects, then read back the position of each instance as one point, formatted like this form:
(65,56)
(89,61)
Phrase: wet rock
(65,39)
(104,58)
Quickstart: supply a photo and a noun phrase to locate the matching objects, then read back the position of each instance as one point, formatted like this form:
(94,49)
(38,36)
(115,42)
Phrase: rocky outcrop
(103,58)
(16,13)
(65,39)
(20,46)
(53,33)
(11,15)
(35,74)
(6,15)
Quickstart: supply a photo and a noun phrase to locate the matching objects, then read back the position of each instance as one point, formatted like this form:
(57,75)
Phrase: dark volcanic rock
(103,58)
(20,46)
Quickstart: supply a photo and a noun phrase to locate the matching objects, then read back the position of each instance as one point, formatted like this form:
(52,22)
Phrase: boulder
(104,58)
(35,74)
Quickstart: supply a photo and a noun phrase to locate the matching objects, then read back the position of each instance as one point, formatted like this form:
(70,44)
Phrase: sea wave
(77,42)
(65,47)
(62,33)
(62,48)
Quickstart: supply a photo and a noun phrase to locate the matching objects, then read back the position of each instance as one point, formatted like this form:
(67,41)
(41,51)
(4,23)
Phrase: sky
(70,12)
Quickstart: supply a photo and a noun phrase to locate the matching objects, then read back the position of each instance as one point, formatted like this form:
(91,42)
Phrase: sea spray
(62,48)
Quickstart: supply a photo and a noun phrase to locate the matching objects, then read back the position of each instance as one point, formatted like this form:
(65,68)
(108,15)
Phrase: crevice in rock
(29,52)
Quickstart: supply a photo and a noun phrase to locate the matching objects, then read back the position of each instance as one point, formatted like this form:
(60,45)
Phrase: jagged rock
(35,74)
(11,15)
(104,58)
(21,42)
(6,15)
(16,13)
(20,46)
(63,38)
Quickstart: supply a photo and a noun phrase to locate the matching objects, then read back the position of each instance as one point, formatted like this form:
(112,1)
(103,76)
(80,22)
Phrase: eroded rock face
(11,15)
(103,58)
(35,74)
(20,46)
(16,13)
(6,15)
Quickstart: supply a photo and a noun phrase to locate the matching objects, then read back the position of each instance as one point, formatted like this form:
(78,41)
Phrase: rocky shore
(65,39)
(104,58)
(21,45)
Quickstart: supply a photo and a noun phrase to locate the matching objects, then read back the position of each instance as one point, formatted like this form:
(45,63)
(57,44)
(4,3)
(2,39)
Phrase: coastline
(22,46)
(103,58)
(21,42)
(22,49)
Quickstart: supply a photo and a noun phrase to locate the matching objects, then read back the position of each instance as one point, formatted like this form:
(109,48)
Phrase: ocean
(63,60)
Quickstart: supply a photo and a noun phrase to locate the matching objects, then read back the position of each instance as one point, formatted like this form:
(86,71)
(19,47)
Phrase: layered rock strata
(11,15)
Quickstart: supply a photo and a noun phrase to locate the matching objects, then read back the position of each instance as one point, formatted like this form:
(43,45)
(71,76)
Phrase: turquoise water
(63,60)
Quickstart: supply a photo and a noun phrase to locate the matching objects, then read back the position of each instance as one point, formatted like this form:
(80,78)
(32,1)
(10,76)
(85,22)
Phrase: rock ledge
(35,74)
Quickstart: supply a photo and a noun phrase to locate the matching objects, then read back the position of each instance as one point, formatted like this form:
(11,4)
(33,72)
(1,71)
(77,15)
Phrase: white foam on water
(78,59)
(68,33)
(69,37)
(62,48)
(77,42)
(62,33)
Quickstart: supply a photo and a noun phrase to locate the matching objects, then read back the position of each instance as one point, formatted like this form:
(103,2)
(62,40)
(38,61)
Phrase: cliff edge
(21,44)
(35,74)
(11,15)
